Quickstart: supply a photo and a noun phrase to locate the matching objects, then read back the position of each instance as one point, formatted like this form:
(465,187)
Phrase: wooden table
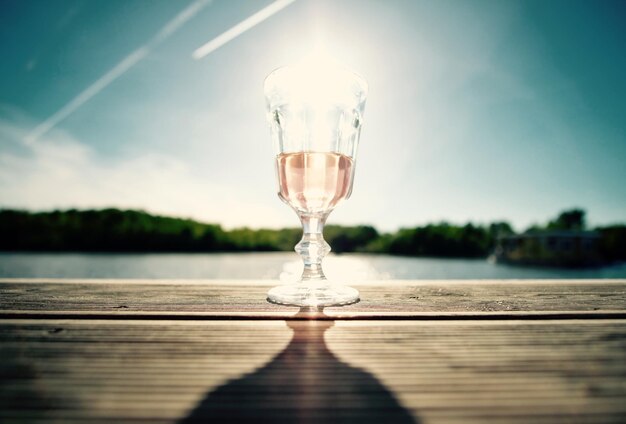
(216,351)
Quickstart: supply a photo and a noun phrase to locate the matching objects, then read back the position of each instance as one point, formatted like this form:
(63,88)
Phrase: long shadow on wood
(305,383)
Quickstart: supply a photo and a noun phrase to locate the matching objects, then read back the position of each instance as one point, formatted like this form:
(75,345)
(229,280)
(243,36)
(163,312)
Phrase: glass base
(312,293)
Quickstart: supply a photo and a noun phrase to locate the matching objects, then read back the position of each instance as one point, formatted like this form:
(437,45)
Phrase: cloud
(58,171)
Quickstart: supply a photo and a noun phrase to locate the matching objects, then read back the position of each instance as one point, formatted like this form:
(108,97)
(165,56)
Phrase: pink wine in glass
(315,112)
(314,182)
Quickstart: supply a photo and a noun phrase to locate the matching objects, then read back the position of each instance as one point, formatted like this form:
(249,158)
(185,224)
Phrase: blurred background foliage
(114,230)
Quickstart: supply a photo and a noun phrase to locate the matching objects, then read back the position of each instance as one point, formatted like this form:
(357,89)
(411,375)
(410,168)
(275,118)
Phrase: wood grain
(431,372)
(216,351)
(247,299)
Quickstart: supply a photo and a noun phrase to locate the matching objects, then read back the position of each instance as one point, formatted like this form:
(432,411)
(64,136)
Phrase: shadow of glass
(304,383)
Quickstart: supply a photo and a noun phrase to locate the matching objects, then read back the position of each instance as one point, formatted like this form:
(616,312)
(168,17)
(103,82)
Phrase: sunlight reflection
(337,268)
(316,79)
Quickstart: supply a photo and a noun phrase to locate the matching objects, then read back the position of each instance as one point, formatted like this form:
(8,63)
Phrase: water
(284,266)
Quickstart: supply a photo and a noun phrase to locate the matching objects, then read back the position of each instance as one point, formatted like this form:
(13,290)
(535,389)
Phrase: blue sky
(477,110)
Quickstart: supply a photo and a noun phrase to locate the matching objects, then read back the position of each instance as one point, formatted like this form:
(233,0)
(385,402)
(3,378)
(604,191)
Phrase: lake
(275,265)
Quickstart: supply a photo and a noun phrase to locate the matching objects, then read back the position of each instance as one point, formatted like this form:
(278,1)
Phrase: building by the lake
(551,248)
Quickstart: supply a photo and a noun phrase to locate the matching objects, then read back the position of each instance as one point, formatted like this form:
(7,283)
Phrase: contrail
(128,62)
(240,28)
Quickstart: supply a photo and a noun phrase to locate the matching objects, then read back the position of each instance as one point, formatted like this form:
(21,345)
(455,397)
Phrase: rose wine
(314,182)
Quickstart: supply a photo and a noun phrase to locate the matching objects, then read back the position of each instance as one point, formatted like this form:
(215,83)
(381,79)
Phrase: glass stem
(313,247)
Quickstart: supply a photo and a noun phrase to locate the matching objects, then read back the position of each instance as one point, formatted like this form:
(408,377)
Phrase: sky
(477,110)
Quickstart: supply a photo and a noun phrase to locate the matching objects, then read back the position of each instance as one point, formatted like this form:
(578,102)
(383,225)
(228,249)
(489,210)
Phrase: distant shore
(119,231)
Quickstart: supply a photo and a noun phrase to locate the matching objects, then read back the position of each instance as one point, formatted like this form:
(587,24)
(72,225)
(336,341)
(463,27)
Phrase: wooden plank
(411,351)
(396,299)
(310,371)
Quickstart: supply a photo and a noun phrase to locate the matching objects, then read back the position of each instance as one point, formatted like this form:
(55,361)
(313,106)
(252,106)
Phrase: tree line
(114,230)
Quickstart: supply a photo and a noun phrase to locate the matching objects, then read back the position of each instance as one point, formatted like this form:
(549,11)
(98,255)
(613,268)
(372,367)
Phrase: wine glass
(315,115)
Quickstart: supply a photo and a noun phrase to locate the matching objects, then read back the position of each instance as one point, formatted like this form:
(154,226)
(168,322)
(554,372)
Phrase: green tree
(349,239)
(573,219)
